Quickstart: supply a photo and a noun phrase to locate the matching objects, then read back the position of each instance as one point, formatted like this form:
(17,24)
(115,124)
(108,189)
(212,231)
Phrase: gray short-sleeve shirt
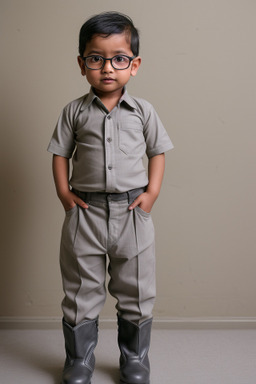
(107,148)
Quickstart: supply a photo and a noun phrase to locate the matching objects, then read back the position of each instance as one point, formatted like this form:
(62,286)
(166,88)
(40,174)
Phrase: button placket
(109,153)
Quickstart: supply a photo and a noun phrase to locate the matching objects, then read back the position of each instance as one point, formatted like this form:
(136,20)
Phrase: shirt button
(109,117)
(110,167)
(109,139)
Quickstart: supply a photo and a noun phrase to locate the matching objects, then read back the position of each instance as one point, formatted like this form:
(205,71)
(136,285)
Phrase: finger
(135,203)
(68,207)
(81,203)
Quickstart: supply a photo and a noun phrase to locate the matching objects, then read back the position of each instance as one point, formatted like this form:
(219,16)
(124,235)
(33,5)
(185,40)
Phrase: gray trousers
(107,228)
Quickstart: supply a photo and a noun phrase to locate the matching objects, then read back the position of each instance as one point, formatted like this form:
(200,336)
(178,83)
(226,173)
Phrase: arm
(155,175)
(60,166)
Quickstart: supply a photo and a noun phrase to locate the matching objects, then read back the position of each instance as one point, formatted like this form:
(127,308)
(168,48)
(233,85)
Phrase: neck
(110,100)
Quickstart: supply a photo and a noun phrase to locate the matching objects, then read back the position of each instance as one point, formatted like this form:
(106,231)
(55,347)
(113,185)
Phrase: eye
(120,59)
(95,59)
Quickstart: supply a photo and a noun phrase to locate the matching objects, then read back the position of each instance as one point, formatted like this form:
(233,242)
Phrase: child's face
(108,81)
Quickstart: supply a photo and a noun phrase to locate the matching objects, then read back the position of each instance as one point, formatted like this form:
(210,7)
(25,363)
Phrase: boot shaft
(81,339)
(133,338)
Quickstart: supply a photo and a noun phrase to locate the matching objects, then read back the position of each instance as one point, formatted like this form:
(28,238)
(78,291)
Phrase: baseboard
(206,323)
(172,323)
(30,323)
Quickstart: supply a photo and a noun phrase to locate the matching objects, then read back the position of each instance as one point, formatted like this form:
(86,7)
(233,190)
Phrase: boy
(108,208)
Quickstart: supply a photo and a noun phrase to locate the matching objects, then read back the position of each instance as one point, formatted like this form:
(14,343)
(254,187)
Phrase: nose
(107,66)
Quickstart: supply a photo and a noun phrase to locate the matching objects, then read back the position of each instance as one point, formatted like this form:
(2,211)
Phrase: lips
(108,80)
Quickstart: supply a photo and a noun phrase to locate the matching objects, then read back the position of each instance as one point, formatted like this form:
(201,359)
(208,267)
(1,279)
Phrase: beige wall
(198,70)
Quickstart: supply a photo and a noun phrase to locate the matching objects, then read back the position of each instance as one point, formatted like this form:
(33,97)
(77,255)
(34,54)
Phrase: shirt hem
(159,150)
(59,151)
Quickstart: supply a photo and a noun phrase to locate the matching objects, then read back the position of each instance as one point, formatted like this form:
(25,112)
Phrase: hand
(155,175)
(70,199)
(145,201)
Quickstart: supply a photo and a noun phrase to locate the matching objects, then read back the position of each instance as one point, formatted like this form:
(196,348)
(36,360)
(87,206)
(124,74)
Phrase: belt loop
(130,199)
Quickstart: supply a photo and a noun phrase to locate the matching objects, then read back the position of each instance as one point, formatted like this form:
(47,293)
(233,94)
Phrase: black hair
(108,23)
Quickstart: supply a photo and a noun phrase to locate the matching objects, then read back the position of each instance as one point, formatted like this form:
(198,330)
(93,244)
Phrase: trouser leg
(83,263)
(132,263)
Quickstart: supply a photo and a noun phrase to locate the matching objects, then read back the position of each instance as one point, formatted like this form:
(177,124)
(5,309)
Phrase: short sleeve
(156,137)
(63,139)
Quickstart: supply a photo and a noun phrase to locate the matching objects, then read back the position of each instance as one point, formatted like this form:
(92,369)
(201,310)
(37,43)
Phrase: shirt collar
(128,99)
(90,97)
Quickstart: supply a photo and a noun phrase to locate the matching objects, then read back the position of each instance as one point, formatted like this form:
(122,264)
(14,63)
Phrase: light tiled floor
(177,357)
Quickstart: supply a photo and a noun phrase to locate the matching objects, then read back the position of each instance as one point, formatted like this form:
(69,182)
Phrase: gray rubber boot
(80,342)
(134,341)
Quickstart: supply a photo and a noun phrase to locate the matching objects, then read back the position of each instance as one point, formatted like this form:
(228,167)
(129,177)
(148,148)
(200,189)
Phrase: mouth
(108,80)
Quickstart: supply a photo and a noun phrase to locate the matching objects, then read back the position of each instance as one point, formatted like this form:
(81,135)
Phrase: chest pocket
(131,139)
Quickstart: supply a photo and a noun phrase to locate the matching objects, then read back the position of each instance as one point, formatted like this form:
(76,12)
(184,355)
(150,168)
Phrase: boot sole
(89,383)
(125,382)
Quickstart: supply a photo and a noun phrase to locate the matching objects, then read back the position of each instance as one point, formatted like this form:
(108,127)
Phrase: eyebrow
(118,52)
(94,52)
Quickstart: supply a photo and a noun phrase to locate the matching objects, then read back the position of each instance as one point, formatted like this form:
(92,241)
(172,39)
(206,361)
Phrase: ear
(81,65)
(135,65)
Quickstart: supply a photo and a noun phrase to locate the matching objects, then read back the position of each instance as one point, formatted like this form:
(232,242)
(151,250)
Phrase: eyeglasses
(98,62)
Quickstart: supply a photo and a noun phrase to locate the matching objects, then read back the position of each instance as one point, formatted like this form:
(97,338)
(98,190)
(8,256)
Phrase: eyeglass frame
(105,59)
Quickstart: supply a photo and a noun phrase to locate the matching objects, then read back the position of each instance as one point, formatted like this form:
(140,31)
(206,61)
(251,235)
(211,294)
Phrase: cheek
(91,76)
(125,76)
